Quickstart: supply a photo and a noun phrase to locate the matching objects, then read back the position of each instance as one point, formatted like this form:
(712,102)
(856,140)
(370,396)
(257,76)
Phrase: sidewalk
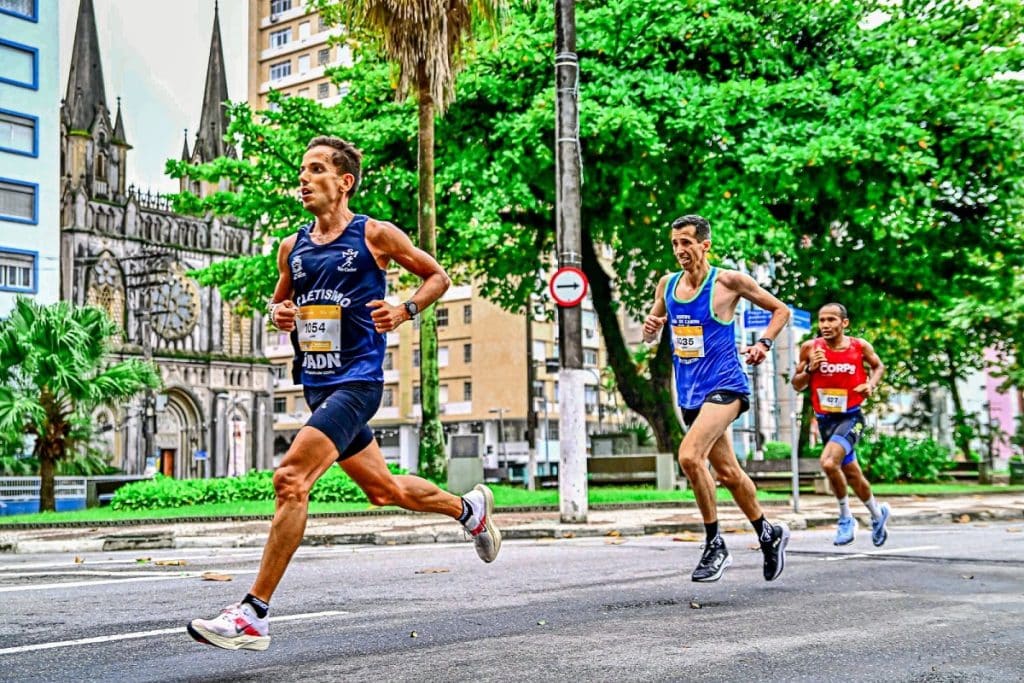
(408,528)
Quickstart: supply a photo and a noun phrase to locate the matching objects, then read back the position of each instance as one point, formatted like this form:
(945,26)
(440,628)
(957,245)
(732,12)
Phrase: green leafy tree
(55,370)
(870,152)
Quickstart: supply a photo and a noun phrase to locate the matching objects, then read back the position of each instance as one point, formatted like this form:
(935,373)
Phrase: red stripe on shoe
(479,528)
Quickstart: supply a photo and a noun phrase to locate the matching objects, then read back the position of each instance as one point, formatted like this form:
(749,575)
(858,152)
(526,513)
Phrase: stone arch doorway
(179,436)
(236,455)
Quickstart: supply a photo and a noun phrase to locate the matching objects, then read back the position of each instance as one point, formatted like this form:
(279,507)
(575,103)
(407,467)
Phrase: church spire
(119,135)
(86,91)
(185,156)
(213,123)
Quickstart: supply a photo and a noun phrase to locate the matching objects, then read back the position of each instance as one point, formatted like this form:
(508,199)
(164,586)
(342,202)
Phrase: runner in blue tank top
(698,304)
(330,294)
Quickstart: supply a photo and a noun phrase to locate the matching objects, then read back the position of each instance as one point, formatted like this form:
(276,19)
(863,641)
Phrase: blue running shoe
(846,529)
(878,532)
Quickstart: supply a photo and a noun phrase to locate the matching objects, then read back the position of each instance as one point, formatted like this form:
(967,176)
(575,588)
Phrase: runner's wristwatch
(768,343)
(411,308)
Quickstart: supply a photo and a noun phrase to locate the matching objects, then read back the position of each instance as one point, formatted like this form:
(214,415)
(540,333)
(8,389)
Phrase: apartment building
(29,151)
(289,51)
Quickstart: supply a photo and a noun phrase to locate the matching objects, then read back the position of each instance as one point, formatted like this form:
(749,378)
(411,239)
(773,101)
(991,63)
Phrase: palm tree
(54,372)
(425,40)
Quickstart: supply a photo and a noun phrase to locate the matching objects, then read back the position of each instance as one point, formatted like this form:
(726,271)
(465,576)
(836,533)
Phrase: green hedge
(777,450)
(164,492)
(897,458)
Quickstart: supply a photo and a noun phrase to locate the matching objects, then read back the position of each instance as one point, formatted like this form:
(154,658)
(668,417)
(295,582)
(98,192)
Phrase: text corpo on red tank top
(833,382)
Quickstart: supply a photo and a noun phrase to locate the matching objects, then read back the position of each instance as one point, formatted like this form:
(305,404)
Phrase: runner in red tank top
(833,366)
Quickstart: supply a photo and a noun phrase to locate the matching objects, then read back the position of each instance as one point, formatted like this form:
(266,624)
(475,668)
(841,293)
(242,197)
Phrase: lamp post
(501,436)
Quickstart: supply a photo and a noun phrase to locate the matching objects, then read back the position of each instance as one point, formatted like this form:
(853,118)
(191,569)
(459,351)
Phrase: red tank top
(833,382)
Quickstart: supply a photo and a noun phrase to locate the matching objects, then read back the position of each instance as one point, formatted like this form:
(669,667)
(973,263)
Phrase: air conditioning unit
(273,18)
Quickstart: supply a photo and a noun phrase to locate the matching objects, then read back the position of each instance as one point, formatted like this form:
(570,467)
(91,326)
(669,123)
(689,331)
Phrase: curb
(168,540)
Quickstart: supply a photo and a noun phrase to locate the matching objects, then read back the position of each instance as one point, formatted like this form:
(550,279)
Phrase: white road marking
(885,551)
(146,634)
(100,582)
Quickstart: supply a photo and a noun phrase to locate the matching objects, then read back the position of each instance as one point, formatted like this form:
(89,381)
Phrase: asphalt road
(937,604)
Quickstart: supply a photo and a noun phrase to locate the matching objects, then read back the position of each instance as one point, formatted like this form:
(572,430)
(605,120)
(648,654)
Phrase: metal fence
(17,488)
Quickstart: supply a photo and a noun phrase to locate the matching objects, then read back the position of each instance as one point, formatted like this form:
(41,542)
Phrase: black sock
(467,512)
(258,606)
(763,529)
(711,530)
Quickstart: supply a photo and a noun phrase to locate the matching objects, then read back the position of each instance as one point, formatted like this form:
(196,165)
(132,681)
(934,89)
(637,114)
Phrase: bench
(659,469)
(777,475)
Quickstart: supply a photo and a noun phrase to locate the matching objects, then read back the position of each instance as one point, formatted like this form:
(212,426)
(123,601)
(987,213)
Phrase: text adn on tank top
(833,382)
(332,284)
(704,348)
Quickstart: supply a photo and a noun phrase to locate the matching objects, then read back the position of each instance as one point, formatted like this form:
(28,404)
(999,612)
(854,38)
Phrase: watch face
(175,305)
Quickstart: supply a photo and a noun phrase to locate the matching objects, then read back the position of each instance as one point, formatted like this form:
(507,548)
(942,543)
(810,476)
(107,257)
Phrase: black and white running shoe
(775,551)
(713,562)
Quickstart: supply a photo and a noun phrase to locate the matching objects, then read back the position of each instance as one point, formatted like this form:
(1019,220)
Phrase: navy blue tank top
(704,347)
(332,284)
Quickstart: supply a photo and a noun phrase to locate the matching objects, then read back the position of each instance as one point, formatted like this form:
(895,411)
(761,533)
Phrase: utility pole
(572,471)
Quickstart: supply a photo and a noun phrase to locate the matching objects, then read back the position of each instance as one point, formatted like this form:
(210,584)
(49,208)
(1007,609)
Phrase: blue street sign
(199,455)
(801,319)
(756,317)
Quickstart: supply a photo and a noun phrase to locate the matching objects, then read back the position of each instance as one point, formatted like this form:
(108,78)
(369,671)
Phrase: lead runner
(332,282)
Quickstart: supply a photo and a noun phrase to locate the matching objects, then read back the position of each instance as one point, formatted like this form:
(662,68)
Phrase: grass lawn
(953,488)
(504,496)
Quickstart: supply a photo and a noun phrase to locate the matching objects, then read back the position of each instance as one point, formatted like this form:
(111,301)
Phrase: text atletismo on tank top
(332,284)
(704,347)
(833,382)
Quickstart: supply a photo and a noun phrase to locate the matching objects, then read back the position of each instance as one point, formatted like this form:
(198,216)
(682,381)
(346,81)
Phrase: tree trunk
(431,453)
(961,430)
(47,460)
(650,398)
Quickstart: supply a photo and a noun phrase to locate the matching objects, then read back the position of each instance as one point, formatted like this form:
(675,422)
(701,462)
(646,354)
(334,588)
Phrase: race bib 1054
(320,328)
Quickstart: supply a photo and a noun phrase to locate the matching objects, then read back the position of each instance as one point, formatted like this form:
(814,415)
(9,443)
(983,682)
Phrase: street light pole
(572,473)
(501,437)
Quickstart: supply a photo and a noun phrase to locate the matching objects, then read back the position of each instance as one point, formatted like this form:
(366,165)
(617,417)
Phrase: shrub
(777,450)
(164,492)
(896,458)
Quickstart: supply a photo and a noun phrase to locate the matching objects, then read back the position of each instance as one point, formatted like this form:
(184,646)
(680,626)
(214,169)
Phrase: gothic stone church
(126,251)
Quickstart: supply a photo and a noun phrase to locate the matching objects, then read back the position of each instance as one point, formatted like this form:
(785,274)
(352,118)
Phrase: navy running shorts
(342,412)
(844,429)
(720,397)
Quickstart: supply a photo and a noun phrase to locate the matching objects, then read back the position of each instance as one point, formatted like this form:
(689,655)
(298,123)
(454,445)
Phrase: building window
(323,56)
(343,89)
(23,9)
(538,388)
(322,91)
(415,358)
(280,38)
(467,391)
(467,314)
(590,399)
(304,30)
(442,394)
(280,404)
(589,357)
(467,353)
(18,132)
(303,64)
(322,23)
(279,6)
(416,394)
(300,405)
(280,70)
(388,399)
(442,357)
(18,271)
(389,361)
(20,65)
(442,317)
(303,92)
(18,201)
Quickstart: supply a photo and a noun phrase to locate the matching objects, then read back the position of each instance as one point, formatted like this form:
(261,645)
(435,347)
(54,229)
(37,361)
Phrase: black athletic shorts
(720,397)
(342,412)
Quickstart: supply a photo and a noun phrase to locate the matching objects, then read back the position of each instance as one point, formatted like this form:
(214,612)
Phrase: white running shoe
(236,628)
(480,526)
